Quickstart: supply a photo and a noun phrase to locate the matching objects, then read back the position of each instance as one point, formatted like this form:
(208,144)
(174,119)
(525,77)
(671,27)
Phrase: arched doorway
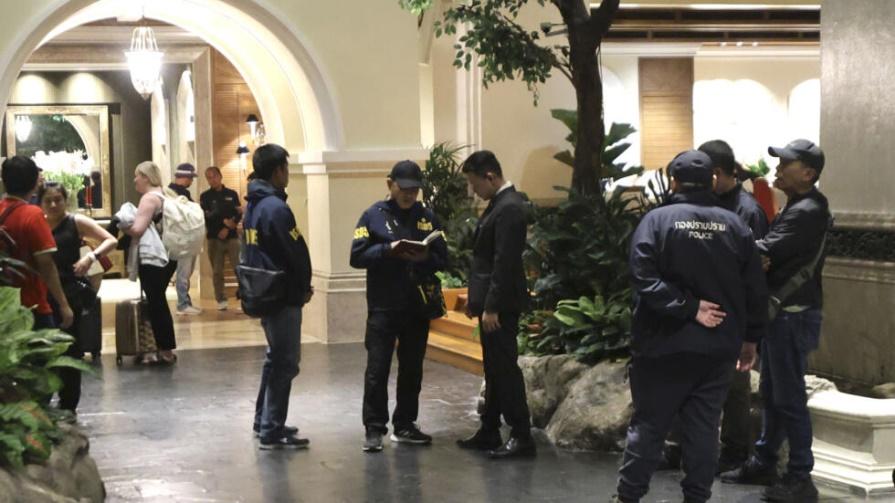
(290,88)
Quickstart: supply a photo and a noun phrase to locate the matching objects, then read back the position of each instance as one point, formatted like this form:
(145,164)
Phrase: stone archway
(291,90)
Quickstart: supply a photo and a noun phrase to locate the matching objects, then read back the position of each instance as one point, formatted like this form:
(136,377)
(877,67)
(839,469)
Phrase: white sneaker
(189,310)
(222,305)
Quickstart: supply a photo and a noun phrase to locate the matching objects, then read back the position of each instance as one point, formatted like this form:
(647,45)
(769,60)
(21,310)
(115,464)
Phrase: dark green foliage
(613,146)
(445,193)
(27,380)
(589,328)
(760,168)
(50,133)
(577,262)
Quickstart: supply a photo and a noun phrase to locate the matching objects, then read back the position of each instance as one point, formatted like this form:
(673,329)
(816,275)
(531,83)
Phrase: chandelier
(144,61)
(23,128)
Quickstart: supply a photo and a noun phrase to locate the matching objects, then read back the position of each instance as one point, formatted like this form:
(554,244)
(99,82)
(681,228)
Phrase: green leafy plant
(760,168)
(448,280)
(592,329)
(577,260)
(503,48)
(445,193)
(28,363)
(71,181)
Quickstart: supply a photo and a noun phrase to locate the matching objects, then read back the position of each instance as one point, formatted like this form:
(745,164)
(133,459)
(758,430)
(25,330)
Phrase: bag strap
(9,209)
(805,273)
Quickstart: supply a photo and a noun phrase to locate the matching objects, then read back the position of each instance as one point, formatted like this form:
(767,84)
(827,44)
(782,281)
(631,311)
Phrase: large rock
(884,391)
(70,475)
(547,382)
(595,413)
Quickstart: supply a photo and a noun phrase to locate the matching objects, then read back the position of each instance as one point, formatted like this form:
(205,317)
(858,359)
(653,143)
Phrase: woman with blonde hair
(154,279)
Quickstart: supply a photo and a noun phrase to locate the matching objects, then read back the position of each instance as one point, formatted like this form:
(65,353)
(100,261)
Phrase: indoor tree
(507,51)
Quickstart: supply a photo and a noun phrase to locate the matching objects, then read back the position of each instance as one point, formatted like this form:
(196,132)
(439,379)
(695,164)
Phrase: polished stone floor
(183,434)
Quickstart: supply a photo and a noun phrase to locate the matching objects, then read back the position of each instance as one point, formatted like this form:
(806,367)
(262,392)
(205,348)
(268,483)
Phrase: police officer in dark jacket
(699,309)
(794,243)
(395,303)
(497,295)
(273,242)
(736,429)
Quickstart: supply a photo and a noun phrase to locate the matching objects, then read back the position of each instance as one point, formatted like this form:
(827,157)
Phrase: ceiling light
(242,149)
(144,61)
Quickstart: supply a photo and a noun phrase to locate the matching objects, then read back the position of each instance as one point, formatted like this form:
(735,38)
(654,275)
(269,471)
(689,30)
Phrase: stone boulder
(884,391)
(70,475)
(547,382)
(595,413)
(579,406)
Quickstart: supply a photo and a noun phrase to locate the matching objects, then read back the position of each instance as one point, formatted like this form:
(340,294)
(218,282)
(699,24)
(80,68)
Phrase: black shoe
(515,448)
(373,441)
(729,463)
(289,431)
(411,435)
(618,499)
(795,489)
(752,472)
(483,440)
(284,442)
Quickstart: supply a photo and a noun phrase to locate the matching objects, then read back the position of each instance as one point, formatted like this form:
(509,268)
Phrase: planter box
(854,442)
(452,298)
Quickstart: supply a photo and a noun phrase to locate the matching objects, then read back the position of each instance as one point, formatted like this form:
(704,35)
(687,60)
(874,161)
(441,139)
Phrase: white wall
(755,102)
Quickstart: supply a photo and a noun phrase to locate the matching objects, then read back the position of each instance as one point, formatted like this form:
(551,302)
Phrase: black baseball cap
(801,150)
(407,174)
(692,167)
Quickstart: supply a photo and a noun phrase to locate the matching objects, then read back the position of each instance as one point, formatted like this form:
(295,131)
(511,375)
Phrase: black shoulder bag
(775,299)
(261,291)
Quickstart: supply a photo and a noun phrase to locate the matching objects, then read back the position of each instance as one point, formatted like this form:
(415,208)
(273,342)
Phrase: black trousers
(70,392)
(154,281)
(411,332)
(692,387)
(736,424)
(504,385)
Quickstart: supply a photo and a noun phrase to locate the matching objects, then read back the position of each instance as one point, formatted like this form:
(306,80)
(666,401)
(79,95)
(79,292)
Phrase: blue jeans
(182,281)
(784,353)
(283,332)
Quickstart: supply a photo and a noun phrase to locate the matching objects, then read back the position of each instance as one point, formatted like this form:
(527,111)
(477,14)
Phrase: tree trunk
(589,145)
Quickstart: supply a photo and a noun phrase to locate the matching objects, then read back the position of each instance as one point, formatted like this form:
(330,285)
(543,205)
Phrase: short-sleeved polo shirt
(28,227)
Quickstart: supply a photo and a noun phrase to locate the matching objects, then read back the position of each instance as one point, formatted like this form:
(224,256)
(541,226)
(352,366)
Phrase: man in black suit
(497,295)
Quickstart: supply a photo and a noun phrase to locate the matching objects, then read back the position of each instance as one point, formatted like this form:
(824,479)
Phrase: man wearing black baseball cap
(699,310)
(396,280)
(793,252)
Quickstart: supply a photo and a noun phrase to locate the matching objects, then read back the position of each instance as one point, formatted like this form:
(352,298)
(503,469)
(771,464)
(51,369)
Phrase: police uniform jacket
(792,243)
(497,277)
(687,251)
(273,241)
(744,204)
(390,280)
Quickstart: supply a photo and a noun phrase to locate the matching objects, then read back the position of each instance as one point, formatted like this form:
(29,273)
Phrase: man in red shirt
(34,243)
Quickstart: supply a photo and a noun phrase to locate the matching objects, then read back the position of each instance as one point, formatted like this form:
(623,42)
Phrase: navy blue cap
(692,167)
(801,150)
(185,170)
(407,174)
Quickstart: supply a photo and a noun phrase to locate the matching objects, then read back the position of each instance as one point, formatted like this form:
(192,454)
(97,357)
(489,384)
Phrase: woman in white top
(154,279)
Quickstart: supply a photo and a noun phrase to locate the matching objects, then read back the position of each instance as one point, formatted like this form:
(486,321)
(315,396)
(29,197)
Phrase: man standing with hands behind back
(497,295)
(222,214)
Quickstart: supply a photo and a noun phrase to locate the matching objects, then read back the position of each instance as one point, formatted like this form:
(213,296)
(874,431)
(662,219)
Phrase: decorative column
(339,187)
(854,438)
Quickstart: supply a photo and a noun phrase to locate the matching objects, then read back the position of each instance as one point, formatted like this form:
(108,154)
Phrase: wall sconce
(23,127)
(256,129)
(242,150)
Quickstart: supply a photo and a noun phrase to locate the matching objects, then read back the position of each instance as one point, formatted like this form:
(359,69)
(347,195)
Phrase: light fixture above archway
(144,60)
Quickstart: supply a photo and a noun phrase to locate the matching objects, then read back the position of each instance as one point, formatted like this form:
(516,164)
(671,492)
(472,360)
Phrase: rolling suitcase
(133,334)
(90,329)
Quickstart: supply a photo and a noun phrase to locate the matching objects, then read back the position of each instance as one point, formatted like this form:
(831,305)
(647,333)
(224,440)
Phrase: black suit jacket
(497,278)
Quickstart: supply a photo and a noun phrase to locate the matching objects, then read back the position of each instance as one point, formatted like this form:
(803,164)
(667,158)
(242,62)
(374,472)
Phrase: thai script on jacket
(700,230)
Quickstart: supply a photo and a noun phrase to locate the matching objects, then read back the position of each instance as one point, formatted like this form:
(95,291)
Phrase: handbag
(428,299)
(261,291)
(79,293)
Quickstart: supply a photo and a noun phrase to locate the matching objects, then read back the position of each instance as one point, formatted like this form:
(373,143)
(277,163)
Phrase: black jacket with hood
(273,241)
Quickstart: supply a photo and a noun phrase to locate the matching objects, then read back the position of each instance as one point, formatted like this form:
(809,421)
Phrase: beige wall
(746,101)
